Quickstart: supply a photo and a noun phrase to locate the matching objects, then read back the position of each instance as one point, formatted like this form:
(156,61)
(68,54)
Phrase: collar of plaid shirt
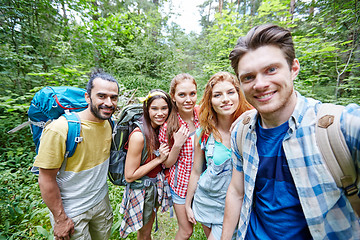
(325,206)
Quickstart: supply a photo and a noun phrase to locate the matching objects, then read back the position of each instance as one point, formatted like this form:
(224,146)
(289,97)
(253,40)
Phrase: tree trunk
(221,3)
(311,10)
(292,8)
(65,19)
(245,6)
(95,17)
(252,7)
(208,16)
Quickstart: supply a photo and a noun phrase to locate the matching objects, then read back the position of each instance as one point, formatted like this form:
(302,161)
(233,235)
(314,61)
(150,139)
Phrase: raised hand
(181,136)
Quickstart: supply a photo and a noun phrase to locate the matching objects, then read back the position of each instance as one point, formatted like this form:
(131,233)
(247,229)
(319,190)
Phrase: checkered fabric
(132,205)
(185,159)
(327,211)
(132,210)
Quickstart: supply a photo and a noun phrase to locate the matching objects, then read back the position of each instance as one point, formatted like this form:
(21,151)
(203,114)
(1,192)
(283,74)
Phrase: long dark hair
(151,134)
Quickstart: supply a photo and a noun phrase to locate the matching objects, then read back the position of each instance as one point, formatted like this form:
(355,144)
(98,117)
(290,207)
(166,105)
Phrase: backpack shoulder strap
(244,119)
(210,145)
(335,152)
(144,152)
(332,145)
(73,136)
(112,123)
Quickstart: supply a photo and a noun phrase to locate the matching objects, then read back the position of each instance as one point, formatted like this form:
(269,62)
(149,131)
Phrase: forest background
(58,42)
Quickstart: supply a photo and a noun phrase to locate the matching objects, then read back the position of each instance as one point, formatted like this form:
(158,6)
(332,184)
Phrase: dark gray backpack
(128,121)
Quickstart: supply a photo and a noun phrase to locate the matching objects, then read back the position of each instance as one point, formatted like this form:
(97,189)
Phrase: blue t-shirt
(277,212)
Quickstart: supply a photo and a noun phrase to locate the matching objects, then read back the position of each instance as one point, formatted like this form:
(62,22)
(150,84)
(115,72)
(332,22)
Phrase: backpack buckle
(147,182)
(351,190)
(78,139)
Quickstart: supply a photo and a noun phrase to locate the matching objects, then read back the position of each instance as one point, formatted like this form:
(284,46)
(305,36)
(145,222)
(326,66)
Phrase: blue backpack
(49,104)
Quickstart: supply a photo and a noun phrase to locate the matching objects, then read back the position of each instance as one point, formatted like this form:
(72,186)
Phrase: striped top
(82,178)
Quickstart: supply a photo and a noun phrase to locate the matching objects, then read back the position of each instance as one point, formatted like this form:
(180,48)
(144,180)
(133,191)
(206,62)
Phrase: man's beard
(96,111)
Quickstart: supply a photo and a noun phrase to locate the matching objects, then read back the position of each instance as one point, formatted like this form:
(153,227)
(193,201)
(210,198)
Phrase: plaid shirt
(132,205)
(327,211)
(184,161)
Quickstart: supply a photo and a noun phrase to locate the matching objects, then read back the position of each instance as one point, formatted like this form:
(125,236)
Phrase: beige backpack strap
(335,152)
(242,130)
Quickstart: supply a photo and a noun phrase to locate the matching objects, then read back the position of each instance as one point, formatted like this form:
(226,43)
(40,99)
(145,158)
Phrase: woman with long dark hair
(140,217)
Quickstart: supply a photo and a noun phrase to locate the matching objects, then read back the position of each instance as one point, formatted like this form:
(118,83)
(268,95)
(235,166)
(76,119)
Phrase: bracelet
(156,153)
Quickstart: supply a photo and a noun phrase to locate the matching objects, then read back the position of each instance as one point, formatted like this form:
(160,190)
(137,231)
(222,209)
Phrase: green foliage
(22,210)
(21,207)
(14,148)
(62,75)
(327,45)
(59,42)
(230,24)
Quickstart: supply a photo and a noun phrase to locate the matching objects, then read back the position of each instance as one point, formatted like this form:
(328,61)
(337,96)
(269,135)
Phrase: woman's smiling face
(225,98)
(185,96)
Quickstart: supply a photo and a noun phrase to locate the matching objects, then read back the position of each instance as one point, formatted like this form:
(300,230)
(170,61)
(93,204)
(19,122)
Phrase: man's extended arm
(233,203)
(50,193)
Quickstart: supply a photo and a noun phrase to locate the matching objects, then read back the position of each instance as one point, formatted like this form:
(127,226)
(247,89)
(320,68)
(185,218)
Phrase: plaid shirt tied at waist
(132,204)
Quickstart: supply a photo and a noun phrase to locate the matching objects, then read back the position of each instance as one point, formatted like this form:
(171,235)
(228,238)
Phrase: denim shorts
(176,198)
(216,230)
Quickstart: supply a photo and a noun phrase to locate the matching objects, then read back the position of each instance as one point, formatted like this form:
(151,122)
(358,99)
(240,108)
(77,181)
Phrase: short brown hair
(262,35)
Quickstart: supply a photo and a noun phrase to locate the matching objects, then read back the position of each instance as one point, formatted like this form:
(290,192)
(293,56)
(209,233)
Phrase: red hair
(208,117)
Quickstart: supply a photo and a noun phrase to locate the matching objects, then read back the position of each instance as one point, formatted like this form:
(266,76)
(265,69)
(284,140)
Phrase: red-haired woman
(222,103)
